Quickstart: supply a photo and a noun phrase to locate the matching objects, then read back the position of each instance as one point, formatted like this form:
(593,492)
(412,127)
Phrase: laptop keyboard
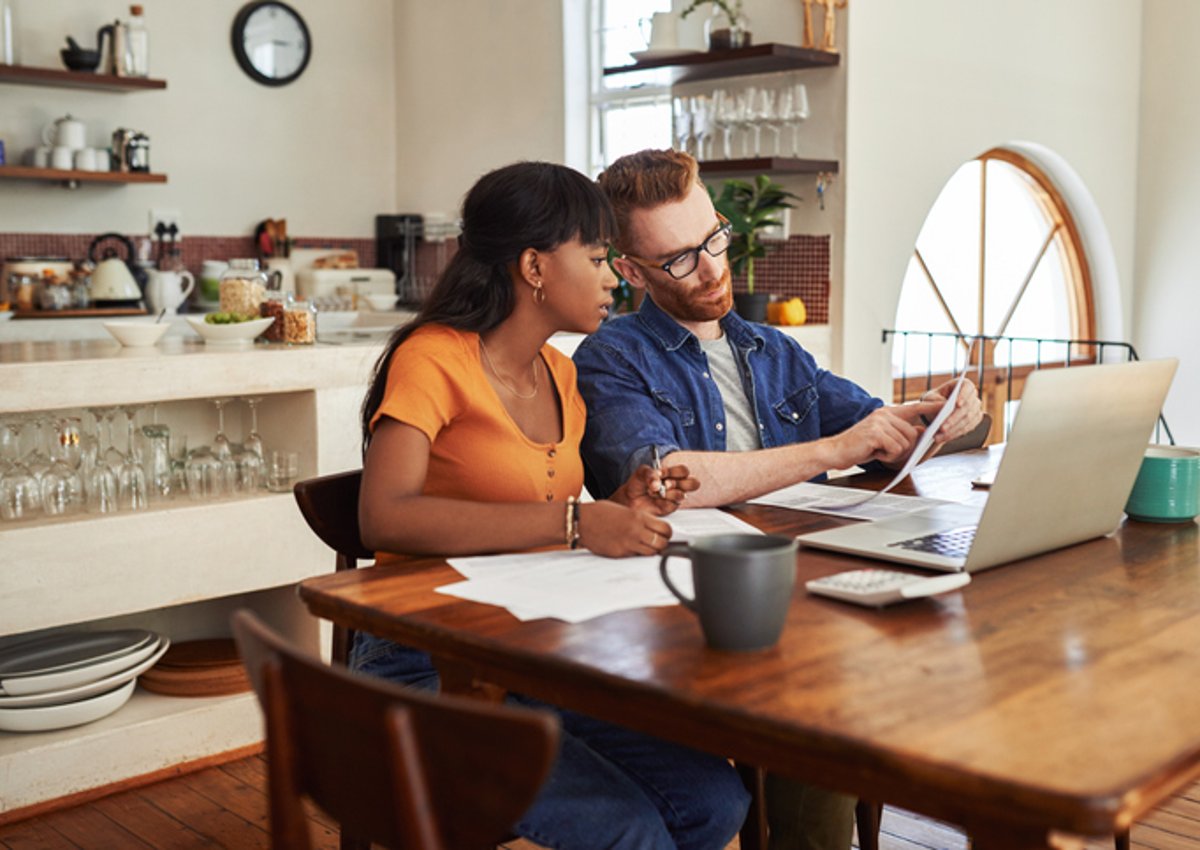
(955,543)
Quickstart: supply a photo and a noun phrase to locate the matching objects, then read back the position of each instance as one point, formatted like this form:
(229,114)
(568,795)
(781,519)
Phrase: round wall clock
(271,42)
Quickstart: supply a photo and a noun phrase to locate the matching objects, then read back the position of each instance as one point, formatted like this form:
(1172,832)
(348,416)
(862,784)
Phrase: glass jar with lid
(243,288)
(299,321)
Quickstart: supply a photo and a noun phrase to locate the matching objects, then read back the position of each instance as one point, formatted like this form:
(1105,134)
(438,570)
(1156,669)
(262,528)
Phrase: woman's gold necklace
(488,358)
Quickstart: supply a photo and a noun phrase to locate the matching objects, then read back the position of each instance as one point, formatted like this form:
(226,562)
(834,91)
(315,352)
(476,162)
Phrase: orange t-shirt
(436,384)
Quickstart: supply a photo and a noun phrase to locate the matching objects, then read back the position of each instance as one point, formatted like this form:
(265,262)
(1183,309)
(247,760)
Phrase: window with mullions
(629,111)
(999,255)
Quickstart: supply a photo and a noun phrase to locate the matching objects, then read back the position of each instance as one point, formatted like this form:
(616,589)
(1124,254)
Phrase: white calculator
(877,587)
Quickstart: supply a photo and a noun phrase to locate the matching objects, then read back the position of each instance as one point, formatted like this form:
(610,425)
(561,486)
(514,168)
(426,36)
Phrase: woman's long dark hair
(536,205)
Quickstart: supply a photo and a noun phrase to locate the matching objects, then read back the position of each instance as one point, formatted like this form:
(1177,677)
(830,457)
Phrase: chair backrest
(330,507)
(396,766)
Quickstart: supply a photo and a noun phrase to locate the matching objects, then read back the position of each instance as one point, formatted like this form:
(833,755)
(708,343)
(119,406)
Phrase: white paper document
(824,499)
(577,585)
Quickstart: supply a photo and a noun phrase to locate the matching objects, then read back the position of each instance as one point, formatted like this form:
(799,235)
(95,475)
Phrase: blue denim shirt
(646,383)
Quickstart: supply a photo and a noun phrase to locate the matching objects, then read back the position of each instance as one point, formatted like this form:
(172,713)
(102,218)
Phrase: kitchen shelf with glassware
(181,565)
(768,165)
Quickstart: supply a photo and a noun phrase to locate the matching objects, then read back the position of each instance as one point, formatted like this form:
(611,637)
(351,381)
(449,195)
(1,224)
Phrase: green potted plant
(751,207)
(736,29)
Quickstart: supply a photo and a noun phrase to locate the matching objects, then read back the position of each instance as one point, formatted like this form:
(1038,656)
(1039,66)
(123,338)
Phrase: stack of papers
(845,502)
(576,585)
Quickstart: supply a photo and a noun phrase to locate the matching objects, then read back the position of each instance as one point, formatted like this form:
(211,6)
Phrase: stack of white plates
(71,678)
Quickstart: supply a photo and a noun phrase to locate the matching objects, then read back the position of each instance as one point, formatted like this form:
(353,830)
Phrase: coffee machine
(395,248)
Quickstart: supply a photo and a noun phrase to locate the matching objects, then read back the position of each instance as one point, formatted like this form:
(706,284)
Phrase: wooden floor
(226,807)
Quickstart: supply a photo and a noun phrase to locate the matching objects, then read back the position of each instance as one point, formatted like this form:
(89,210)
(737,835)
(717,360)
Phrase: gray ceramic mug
(743,585)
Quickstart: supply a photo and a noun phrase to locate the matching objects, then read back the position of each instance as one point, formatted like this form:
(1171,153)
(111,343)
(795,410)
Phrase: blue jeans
(610,787)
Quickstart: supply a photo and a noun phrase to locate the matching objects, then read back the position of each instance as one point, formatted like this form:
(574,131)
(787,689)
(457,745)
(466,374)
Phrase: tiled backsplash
(798,266)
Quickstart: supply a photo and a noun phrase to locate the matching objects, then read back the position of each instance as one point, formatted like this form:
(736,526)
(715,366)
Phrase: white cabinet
(181,567)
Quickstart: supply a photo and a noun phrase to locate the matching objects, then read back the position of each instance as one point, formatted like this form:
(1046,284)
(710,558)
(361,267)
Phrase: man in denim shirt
(742,405)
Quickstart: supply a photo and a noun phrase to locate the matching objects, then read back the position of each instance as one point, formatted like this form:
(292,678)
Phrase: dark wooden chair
(394,766)
(330,507)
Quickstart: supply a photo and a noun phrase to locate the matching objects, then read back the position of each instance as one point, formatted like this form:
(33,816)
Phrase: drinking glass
(131,475)
(253,442)
(20,497)
(112,455)
(702,125)
(159,472)
(793,110)
(61,485)
(206,475)
(724,112)
(38,459)
(282,469)
(761,112)
(681,124)
(221,448)
(101,488)
(743,117)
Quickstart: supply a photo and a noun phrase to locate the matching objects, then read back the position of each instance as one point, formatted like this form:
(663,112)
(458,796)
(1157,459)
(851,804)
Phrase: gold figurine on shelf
(829,34)
(808,41)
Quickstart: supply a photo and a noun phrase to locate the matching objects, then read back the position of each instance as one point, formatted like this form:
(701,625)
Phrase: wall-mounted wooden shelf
(768,165)
(26,75)
(72,177)
(714,64)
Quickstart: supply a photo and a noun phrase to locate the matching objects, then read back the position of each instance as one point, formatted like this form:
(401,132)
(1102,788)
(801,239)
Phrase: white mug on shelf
(40,156)
(167,290)
(85,159)
(103,160)
(62,158)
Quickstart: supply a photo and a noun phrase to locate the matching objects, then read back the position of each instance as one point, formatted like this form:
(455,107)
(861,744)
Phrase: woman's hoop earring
(539,294)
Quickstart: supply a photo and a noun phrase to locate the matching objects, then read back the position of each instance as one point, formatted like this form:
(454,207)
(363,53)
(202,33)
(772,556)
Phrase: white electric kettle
(112,281)
(65,132)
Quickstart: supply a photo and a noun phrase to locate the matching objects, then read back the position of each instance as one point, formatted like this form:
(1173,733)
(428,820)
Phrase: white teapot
(65,132)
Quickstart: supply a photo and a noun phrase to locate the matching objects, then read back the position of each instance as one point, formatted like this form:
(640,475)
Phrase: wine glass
(37,461)
(793,110)
(61,484)
(159,471)
(112,455)
(681,123)
(724,111)
(702,125)
(131,475)
(220,447)
(744,116)
(252,441)
(19,493)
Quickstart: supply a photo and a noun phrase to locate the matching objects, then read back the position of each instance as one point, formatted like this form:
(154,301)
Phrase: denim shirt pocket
(682,416)
(793,410)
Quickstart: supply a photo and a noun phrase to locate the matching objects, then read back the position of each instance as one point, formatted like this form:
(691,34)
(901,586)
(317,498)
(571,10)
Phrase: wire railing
(998,365)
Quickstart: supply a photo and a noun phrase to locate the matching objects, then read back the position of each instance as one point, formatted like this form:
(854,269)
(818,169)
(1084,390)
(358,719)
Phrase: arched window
(999,255)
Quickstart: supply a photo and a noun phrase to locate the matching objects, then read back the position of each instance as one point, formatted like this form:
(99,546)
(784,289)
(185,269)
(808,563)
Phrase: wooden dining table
(1052,697)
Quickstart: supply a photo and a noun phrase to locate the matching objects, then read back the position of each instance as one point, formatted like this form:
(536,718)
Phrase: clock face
(271,42)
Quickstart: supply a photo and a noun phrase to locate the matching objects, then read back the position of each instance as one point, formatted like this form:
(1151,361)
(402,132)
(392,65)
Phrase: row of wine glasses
(711,126)
(51,465)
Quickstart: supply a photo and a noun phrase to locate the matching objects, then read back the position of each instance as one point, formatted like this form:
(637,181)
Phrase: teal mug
(1167,488)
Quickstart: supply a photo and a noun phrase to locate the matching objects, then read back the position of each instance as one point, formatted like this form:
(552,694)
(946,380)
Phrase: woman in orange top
(471,430)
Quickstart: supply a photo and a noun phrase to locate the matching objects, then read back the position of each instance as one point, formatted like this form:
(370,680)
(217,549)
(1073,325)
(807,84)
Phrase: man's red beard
(695,302)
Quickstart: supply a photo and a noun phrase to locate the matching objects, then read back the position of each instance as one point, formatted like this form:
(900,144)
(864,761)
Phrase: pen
(662,485)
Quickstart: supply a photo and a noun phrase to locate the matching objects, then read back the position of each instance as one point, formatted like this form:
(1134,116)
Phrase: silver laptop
(1071,458)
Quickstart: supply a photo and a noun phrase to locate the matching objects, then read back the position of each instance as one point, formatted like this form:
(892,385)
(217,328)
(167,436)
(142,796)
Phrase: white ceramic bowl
(137,333)
(237,334)
(381,302)
(45,717)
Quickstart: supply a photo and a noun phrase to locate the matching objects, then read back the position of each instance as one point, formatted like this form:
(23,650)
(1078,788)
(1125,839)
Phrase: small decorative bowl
(233,335)
(137,333)
(80,60)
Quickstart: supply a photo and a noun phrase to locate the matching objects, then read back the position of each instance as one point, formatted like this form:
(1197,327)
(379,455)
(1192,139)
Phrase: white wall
(479,84)
(1165,283)
(320,152)
(934,85)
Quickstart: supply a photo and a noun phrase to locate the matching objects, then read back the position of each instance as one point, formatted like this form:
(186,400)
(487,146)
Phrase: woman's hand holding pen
(656,491)
(618,531)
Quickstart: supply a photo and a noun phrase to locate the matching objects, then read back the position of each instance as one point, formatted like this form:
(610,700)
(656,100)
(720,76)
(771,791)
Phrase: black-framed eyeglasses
(683,264)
